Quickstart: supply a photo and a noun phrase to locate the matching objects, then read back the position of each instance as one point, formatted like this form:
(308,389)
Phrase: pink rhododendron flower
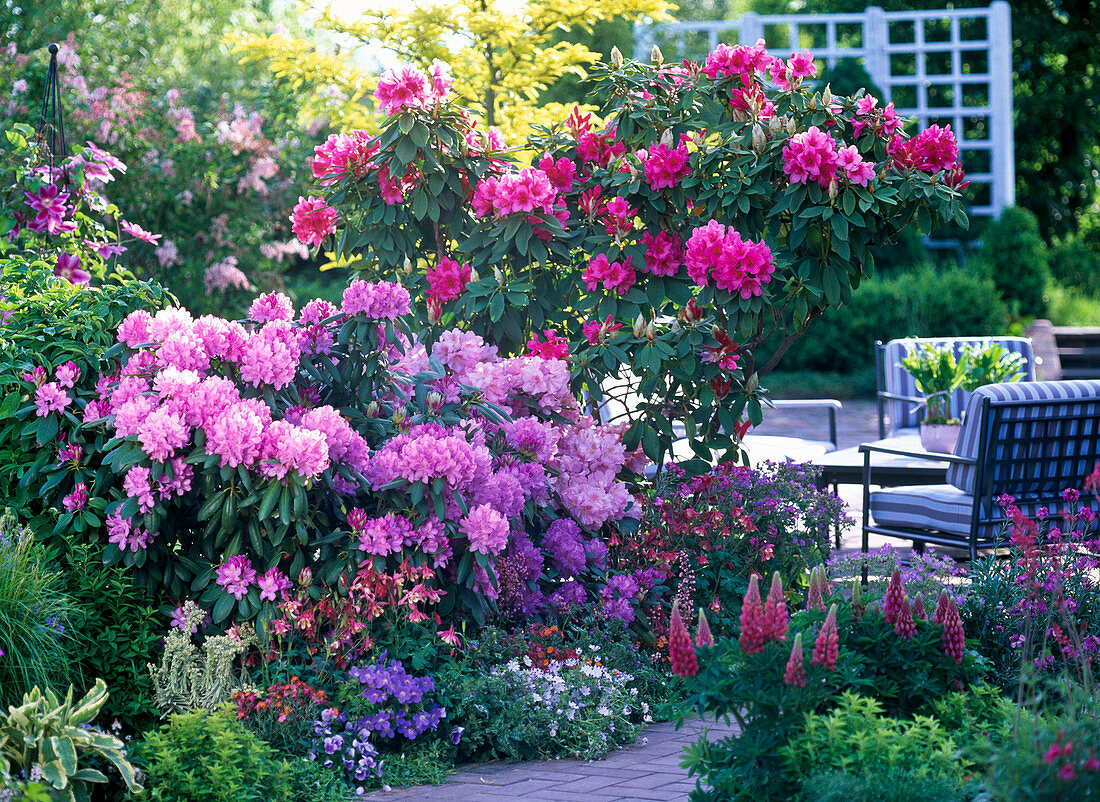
(50,397)
(342,155)
(75,501)
(930,151)
(597,332)
(161,433)
(379,300)
(236,435)
(288,448)
(528,190)
(236,575)
(486,529)
(664,253)
(67,374)
(553,348)
(273,584)
(855,168)
(138,486)
(665,166)
(737,61)
(271,306)
(312,220)
(447,280)
(270,356)
(615,276)
(400,89)
(561,172)
(810,156)
(737,266)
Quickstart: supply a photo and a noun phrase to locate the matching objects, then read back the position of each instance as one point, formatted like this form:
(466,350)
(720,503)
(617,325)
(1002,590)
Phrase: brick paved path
(644,771)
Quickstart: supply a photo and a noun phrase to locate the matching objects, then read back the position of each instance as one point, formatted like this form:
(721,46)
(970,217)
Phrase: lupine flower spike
(815,599)
(827,645)
(702,635)
(954,638)
(753,633)
(858,607)
(681,652)
(795,673)
(775,611)
(917,608)
(895,599)
(941,607)
(903,621)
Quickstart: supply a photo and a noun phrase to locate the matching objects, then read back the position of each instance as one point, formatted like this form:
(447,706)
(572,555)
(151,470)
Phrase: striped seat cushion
(940,507)
(1082,400)
(897,380)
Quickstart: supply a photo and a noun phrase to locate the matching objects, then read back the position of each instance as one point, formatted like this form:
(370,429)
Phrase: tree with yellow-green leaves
(501,59)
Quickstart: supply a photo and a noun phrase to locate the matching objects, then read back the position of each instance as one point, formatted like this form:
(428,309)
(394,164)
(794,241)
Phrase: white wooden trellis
(948,66)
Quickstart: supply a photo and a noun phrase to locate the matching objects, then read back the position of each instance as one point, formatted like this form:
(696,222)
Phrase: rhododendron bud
(616,58)
(650,331)
(791,126)
(794,674)
(753,635)
(666,138)
(832,190)
(656,56)
(894,599)
(827,95)
(954,638)
(681,652)
(639,326)
(759,141)
(775,124)
(498,276)
(827,644)
(305,577)
(703,636)
(775,610)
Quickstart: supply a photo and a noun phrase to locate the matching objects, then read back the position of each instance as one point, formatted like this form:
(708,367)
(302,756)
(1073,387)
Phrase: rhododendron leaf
(210,506)
(47,429)
(284,505)
(267,504)
(405,151)
(496,309)
(222,608)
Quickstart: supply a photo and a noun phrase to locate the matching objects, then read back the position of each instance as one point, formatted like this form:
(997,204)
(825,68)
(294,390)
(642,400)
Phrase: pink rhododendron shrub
(232,459)
(652,242)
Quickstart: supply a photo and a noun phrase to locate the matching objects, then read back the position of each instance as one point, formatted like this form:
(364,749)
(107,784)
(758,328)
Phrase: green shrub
(1075,262)
(115,634)
(51,322)
(209,756)
(1069,306)
(980,720)
(891,785)
(1014,256)
(856,738)
(34,616)
(926,302)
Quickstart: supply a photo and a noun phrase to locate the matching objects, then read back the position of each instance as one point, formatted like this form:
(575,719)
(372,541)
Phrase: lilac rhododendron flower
(236,575)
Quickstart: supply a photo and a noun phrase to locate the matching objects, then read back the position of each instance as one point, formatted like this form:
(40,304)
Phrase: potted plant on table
(938,374)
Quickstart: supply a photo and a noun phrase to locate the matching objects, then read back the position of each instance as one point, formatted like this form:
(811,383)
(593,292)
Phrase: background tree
(501,60)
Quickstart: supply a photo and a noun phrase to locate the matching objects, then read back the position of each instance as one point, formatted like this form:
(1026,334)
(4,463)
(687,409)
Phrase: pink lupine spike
(775,611)
(917,608)
(903,621)
(753,634)
(795,672)
(895,599)
(858,608)
(954,637)
(703,637)
(827,644)
(941,607)
(681,652)
(815,600)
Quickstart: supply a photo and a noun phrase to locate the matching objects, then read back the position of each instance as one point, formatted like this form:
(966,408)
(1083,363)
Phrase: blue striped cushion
(941,507)
(898,381)
(1082,399)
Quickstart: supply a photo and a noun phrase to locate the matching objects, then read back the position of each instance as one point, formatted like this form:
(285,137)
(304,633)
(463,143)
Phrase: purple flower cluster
(339,742)
(564,544)
(518,572)
(616,598)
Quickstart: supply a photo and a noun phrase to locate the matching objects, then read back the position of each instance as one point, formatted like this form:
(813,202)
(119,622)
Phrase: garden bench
(1029,440)
(898,397)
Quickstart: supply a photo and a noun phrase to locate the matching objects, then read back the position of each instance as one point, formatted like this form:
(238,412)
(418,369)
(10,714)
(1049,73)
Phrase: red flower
(681,652)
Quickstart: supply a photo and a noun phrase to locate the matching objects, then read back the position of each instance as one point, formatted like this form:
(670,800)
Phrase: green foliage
(856,738)
(114,633)
(312,782)
(847,77)
(1014,256)
(1070,307)
(52,734)
(209,756)
(980,719)
(52,322)
(889,785)
(34,616)
(937,374)
(1051,755)
(926,302)
(1075,261)
(422,762)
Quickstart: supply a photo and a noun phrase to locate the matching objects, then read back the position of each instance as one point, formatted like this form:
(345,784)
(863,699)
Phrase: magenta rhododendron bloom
(404,88)
(554,347)
(271,306)
(379,300)
(664,253)
(67,374)
(528,190)
(616,277)
(312,220)
(738,266)
(447,280)
(75,501)
(342,155)
(138,486)
(855,168)
(811,156)
(932,150)
(236,575)
(273,584)
(665,166)
(50,397)
(486,529)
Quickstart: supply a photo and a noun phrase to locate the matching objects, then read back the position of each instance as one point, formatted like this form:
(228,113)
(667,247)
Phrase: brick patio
(648,770)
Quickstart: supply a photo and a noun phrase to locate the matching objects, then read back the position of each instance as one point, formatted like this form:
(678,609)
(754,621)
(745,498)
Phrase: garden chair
(1029,440)
(898,397)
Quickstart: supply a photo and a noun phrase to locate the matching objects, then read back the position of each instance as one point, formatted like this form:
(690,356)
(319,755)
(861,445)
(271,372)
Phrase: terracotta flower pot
(939,437)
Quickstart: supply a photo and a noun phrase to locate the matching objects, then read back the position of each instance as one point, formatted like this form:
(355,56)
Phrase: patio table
(845,467)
